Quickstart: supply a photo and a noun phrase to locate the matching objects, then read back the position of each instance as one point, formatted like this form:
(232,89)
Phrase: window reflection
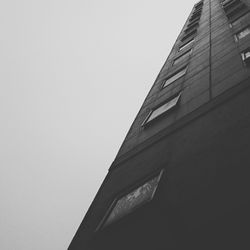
(133,200)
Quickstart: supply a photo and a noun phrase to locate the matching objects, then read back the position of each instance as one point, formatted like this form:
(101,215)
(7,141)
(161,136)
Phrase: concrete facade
(203,144)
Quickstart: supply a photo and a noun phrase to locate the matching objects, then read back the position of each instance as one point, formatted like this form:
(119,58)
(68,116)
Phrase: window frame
(164,85)
(185,54)
(186,45)
(191,27)
(190,34)
(146,122)
(199,4)
(232,23)
(231,4)
(197,20)
(225,2)
(156,174)
(246,60)
(236,37)
(194,16)
(236,10)
(197,11)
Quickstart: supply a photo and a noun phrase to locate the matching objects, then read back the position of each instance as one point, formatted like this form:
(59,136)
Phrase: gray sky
(73,75)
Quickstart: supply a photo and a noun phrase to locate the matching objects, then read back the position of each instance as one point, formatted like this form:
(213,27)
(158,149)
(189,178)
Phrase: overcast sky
(73,75)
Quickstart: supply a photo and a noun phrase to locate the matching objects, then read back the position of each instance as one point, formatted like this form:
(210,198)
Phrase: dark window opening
(227,3)
(187,44)
(182,57)
(241,7)
(190,34)
(194,21)
(197,12)
(198,9)
(231,5)
(238,19)
(198,4)
(196,15)
(191,27)
(224,2)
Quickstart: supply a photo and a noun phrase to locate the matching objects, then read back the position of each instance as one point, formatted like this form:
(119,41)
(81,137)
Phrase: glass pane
(175,77)
(186,44)
(134,199)
(189,35)
(231,4)
(247,54)
(235,22)
(162,109)
(227,2)
(182,57)
(243,33)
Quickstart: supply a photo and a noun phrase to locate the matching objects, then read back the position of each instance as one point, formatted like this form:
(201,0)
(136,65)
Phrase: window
(197,11)
(198,4)
(182,57)
(241,34)
(226,2)
(175,76)
(245,55)
(195,15)
(131,201)
(198,7)
(241,7)
(194,21)
(159,111)
(190,34)
(185,45)
(231,4)
(237,20)
(193,26)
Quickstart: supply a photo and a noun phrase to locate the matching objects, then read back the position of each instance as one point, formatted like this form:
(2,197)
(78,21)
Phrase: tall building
(181,179)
